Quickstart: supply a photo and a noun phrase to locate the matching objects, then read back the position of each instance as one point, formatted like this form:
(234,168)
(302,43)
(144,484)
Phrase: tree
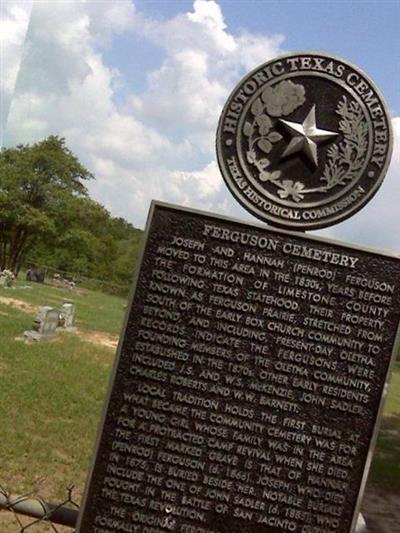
(35,183)
(48,219)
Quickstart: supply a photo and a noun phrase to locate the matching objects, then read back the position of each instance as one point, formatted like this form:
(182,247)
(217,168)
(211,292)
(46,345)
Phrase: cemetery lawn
(52,393)
(96,311)
(385,469)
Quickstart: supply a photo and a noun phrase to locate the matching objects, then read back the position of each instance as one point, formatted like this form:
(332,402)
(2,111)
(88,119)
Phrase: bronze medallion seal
(304,141)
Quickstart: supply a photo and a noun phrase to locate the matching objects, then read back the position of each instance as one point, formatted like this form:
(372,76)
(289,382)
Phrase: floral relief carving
(344,159)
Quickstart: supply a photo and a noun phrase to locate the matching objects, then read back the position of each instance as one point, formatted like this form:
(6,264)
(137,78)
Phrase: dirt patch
(95,337)
(381,510)
(98,337)
(18,304)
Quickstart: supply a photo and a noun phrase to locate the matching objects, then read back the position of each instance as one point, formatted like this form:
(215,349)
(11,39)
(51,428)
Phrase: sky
(136,87)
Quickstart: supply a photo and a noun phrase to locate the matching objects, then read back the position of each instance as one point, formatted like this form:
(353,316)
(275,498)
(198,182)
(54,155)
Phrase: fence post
(37,508)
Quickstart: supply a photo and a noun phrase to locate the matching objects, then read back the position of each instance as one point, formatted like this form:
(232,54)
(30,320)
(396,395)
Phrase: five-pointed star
(306,137)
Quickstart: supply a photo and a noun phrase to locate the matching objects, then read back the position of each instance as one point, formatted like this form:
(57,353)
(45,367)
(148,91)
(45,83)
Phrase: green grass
(392,404)
(51,396)
(385,468)
(95,310)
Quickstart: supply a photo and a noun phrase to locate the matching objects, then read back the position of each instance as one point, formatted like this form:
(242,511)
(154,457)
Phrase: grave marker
(67,315)
(44,326)
(7,279)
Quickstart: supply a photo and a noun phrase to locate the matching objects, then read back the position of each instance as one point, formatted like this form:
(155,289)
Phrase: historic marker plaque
(248,382)
(304,141)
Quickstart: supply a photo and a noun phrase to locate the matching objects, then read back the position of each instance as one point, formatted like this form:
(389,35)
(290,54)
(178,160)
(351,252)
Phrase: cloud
(203,63)
(14,20)
(110,19)
(205,183)
(159,143)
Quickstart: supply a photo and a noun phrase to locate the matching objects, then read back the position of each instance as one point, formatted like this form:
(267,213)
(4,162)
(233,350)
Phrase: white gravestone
(67,315)
(45,324)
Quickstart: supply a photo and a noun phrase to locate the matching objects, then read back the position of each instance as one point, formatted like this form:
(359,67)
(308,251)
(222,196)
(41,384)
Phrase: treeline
(47,217)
